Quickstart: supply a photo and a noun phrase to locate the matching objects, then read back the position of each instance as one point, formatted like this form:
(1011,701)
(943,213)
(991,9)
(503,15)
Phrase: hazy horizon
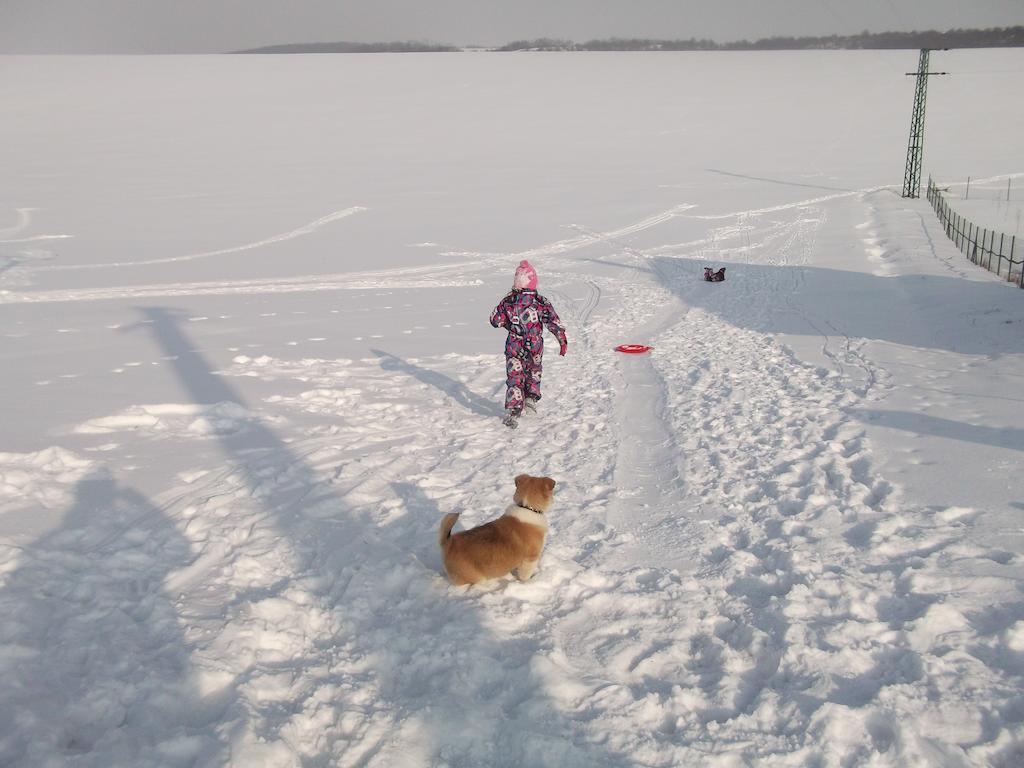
(217,26)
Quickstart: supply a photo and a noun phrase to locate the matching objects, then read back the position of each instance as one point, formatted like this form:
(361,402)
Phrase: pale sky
(210,26)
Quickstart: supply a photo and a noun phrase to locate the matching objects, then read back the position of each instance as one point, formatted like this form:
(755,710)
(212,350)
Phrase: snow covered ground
(993,205)
(247,368)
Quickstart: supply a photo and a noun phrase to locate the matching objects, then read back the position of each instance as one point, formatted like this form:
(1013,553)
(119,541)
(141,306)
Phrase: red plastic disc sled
(633,349)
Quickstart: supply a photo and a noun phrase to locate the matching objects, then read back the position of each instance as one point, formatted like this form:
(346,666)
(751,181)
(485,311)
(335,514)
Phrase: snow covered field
(247,368)
(993,205)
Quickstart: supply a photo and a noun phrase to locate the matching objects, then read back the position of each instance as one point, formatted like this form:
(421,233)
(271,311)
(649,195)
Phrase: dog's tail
(444,535)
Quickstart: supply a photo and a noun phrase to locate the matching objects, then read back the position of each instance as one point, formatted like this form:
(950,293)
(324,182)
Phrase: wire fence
(989,249)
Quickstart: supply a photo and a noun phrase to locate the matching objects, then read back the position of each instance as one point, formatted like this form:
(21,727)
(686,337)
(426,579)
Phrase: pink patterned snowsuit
(525,313)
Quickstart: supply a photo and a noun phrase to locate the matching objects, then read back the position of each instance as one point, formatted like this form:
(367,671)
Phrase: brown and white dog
(513,542)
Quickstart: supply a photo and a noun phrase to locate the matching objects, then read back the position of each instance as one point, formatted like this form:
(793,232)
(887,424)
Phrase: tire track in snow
(397,278)
(346,281)
(305,229)
(567,245)
(23,222)
(35,239)
(482,262)
(787,206)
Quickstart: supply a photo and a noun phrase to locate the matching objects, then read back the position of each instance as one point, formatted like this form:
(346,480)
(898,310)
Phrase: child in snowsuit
(525,314)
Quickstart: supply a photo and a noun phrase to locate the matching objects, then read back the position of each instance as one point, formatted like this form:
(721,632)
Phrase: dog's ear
(549,483)
(519,479)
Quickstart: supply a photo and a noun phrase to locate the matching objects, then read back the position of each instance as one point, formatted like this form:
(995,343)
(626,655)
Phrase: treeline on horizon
(394,47)
(998,37)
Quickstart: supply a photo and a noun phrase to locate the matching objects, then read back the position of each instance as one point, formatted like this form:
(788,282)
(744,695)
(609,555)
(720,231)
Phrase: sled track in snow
(579,310)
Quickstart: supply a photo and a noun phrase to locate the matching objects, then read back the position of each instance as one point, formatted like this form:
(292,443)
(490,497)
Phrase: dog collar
(523,506)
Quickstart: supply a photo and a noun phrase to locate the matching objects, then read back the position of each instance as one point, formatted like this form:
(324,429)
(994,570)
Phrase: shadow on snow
(408,655)
(814,301)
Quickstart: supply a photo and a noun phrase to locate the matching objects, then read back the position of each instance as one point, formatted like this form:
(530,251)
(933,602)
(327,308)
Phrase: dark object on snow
(714,277)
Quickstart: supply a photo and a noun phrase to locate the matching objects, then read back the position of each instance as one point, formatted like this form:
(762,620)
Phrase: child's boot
(511,419)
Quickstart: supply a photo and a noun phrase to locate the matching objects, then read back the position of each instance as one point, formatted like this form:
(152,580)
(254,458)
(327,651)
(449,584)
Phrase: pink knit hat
(526,276)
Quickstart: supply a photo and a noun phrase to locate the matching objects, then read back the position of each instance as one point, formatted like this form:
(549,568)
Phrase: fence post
(1013,247)
(1000,272)
(968,188)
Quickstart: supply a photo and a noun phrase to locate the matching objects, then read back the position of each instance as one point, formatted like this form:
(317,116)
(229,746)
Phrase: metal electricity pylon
(915,147)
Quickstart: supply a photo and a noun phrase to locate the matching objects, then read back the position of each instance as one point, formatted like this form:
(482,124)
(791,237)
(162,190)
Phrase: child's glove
(562,347)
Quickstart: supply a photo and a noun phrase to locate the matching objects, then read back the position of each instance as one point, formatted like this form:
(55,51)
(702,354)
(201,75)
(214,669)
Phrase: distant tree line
(395,47)
(1000,37)
(548,44)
